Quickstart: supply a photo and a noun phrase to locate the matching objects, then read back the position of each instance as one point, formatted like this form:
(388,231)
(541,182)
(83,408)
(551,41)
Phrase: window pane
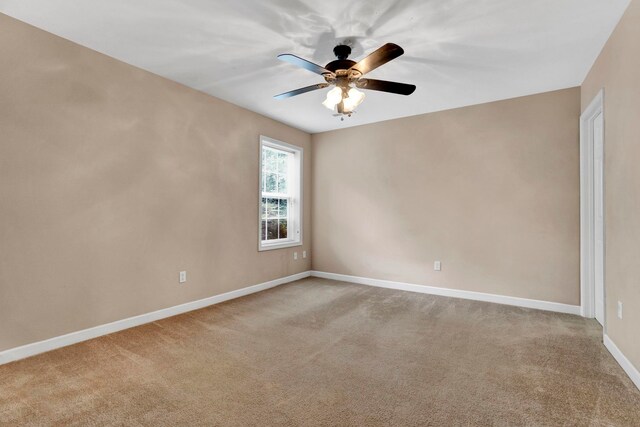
(282,184)
(271,161)
(283,229)
(282,212)
(271,185)
(263,230)
(283,159)
(272,208)
(263,209)
(272,229)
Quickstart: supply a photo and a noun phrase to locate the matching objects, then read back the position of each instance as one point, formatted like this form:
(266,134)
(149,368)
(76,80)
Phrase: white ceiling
(457,52)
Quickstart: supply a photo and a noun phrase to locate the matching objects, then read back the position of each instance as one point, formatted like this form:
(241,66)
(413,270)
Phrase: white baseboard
(455,293)
(622,360)
(28,350)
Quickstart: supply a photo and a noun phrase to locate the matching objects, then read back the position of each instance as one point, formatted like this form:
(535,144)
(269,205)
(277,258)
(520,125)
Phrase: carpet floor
(320,352)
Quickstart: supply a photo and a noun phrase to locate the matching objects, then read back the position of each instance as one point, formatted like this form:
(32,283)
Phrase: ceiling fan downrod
(342,51)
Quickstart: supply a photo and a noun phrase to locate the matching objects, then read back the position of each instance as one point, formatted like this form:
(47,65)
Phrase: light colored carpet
(319,352)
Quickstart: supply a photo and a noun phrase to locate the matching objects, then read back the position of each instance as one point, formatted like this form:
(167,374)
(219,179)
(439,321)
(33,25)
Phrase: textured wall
(617,70)
(112,180)
(491,190)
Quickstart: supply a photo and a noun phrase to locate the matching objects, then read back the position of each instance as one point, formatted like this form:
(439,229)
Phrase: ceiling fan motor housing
(340,67)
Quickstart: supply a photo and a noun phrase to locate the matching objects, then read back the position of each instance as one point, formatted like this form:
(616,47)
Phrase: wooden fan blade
(378,57)
(303,63)
(301,91)
(385,86)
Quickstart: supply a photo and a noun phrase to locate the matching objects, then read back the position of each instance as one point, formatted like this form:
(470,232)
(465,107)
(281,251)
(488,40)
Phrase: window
(280,194)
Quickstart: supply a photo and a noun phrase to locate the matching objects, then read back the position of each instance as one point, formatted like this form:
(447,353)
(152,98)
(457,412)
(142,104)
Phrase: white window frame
(294,185)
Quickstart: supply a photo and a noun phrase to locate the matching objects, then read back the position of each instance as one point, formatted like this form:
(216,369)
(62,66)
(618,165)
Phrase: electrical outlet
(295,255)
(619,309)
(304,254)
(183,276)
(437,266)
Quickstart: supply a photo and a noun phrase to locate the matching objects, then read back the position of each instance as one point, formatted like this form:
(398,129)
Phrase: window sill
(280,245)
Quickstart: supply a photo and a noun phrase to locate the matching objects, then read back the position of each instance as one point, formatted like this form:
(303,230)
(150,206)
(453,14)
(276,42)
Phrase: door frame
(587,219)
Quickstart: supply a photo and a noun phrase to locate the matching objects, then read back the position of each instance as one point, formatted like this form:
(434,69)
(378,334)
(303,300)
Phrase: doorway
(592,220)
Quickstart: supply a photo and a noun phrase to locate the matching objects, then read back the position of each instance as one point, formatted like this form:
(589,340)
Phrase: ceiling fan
(347,77)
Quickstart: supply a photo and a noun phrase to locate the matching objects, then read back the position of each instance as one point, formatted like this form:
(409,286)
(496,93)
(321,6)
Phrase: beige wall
(111,181)
(617,70)
(491,191)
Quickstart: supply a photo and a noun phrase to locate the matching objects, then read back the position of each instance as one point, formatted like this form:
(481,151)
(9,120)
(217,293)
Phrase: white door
(598,206)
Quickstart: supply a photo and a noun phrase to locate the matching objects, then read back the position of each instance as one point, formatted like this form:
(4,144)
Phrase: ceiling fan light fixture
(354,98)
(334,96)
